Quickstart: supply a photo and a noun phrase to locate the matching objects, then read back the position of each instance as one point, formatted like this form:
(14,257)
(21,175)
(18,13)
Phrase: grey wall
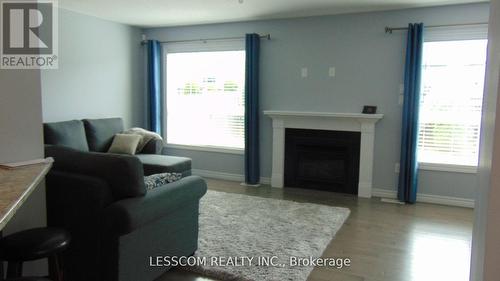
(20,115)
(368,65)
(20,140)
(100,72)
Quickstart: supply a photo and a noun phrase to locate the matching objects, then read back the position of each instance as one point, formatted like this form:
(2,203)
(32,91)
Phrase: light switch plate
(331,71)
(303,72)
(401,99)
(401,88)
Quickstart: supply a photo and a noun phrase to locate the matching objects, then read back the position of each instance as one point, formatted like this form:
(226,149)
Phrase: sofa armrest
(153,146)
(75,199)
(76,202)
(126,215)
(124,174)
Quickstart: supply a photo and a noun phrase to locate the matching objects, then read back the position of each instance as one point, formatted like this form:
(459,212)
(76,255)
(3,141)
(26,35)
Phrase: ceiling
(153,13)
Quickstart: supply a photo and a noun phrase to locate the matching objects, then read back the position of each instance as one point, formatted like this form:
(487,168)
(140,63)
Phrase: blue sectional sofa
(101,199)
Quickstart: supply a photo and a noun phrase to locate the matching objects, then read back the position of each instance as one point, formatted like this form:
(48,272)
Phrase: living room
(296,131)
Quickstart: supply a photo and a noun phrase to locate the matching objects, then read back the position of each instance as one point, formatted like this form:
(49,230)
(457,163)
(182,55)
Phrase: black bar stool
(34,244)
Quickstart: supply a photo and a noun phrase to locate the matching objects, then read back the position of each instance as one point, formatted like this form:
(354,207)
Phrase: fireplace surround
(350,122)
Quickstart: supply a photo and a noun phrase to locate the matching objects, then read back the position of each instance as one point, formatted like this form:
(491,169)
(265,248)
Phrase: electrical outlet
(401,99)
(331,71)
(396,168)
(303,72)
(401,88)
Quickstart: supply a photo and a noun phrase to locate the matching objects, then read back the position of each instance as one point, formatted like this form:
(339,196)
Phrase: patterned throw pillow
(156,180)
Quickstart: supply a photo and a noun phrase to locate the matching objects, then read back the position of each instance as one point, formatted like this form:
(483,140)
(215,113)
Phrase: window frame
(456,33)
(189,47)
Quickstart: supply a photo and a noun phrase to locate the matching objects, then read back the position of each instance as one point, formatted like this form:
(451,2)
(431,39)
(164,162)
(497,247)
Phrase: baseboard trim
(377,192)
(384,193)
(428,198)
(226,176)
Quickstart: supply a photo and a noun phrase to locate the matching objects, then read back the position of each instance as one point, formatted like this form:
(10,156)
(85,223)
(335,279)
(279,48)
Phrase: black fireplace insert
(323,160)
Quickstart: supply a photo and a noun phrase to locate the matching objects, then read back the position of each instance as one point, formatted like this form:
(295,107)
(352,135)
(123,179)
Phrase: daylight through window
(205,98)
(450,102)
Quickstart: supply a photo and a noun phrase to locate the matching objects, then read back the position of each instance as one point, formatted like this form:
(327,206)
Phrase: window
(450,103)
(205,96)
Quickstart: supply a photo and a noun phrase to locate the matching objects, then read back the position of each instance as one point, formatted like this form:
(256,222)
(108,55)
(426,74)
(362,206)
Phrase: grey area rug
(239,226)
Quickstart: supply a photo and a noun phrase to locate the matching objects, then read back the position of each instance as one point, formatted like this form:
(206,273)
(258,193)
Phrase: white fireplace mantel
(353,122)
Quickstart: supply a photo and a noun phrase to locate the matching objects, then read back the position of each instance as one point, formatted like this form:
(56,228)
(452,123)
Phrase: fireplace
(327,121)
(323,160)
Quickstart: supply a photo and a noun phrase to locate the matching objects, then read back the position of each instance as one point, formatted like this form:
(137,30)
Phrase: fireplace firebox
(323,160)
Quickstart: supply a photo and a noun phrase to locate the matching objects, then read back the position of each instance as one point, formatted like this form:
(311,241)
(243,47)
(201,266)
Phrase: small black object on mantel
(369,109)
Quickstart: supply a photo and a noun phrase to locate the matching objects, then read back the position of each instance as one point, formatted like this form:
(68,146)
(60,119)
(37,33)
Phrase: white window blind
(205,97)
(451,101)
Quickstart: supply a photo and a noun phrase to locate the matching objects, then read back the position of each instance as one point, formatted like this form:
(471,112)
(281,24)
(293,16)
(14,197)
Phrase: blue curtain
(408,174)
(252,166)
(154,86)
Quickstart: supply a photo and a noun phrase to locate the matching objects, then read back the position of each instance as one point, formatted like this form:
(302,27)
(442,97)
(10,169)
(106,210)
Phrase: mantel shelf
(279,113)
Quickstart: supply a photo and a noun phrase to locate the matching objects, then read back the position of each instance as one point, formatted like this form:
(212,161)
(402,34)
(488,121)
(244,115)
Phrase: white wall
(100,72)
(486,236)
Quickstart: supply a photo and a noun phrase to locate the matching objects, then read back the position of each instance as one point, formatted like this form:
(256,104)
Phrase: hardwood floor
(385,242)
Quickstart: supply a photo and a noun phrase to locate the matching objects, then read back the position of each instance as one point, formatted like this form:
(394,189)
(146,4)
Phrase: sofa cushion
(156,164)
(153,147)
(68,133)
(100,132)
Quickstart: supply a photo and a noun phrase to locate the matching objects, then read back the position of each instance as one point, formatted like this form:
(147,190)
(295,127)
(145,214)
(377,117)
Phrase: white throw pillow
(124,144)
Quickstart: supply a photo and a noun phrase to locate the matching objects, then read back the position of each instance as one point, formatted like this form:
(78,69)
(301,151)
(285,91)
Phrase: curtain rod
(391,29)
(265,36)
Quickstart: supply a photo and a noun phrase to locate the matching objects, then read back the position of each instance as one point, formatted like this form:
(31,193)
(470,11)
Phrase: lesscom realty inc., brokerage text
(237,261)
